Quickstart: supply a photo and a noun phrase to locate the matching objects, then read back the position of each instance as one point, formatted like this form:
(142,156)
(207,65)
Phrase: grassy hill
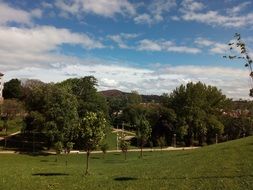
(222,166)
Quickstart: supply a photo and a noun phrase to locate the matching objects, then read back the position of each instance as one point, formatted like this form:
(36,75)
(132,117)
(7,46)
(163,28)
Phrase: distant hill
(118,93)
(113,93)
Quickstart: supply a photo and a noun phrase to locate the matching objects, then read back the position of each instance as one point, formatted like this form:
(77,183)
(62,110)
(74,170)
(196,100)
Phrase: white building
(1,86)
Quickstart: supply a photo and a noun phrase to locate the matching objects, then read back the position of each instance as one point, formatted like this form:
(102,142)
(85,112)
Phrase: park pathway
(114,151)
(12,134)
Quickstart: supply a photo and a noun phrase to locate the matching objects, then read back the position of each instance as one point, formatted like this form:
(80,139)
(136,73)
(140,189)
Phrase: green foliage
(53,111)
(115,106)
(104,147)
(124,145)
(84,89)
(161,142)
(92,130)
(143,132)
(91,133)
(69,147)
(58,147)
(143,128)
(12,89)
(134,98)
(197,107)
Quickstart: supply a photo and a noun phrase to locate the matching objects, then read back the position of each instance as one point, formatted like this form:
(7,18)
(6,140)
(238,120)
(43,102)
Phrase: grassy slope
(111,140)
(223,166)
(13,126)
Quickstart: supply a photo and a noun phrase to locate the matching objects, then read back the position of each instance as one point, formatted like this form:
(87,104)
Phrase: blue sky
(148,46)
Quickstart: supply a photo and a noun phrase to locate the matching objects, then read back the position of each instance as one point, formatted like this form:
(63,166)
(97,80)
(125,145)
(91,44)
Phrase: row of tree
(194,113)
(68,113)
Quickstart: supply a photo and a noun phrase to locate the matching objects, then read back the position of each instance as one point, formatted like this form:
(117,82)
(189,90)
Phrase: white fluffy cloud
(167,46)
(155,12)
(9,15)
(237,9)
(233,82)
(213,46)
(20,47)
(103,8)
(195,11)
(120,39)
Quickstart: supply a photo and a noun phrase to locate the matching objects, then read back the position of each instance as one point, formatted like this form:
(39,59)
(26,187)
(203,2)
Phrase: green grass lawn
(111,140)
(223,166)
(13,126)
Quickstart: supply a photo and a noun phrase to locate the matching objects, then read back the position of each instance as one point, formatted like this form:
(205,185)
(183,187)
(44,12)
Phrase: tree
(104,147)
(237,45)
(12,89)
(84,89)
(134,98)
(161,142)
(91,133)
(194,104)
(143,132)
(124,146)
(53,111)
(115,107)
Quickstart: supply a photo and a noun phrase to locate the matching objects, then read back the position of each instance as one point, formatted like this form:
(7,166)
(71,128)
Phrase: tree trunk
(6,136)
(125,154)
(87,162)
(141,151)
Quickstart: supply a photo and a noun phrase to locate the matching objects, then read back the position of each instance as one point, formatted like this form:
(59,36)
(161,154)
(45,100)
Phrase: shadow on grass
(125,178)
(50,174)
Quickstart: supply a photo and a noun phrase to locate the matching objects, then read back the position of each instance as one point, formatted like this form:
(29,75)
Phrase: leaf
(231,57)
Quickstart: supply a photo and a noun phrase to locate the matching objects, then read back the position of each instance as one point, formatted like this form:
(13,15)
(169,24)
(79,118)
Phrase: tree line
(193,114)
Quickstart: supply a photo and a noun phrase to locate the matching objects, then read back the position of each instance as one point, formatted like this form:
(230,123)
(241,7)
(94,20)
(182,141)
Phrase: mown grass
(223,166)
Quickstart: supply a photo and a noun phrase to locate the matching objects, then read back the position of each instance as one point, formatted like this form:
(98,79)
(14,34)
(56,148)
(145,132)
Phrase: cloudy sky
(151,46)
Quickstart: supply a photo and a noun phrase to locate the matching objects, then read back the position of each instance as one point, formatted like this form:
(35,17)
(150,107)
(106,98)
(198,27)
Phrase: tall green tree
(61,116)
(194,104)
(143,132)
(52,111)
(91,133)
(12,89)
(89,100)
(134,98)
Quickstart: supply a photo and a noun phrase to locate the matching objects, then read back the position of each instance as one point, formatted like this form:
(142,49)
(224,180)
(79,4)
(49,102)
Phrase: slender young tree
(91,133)
(238,45)
(143,132)
(104,147)
(124,147)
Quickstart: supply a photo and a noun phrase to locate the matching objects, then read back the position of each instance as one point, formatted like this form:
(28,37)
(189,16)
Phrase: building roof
(1,74)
